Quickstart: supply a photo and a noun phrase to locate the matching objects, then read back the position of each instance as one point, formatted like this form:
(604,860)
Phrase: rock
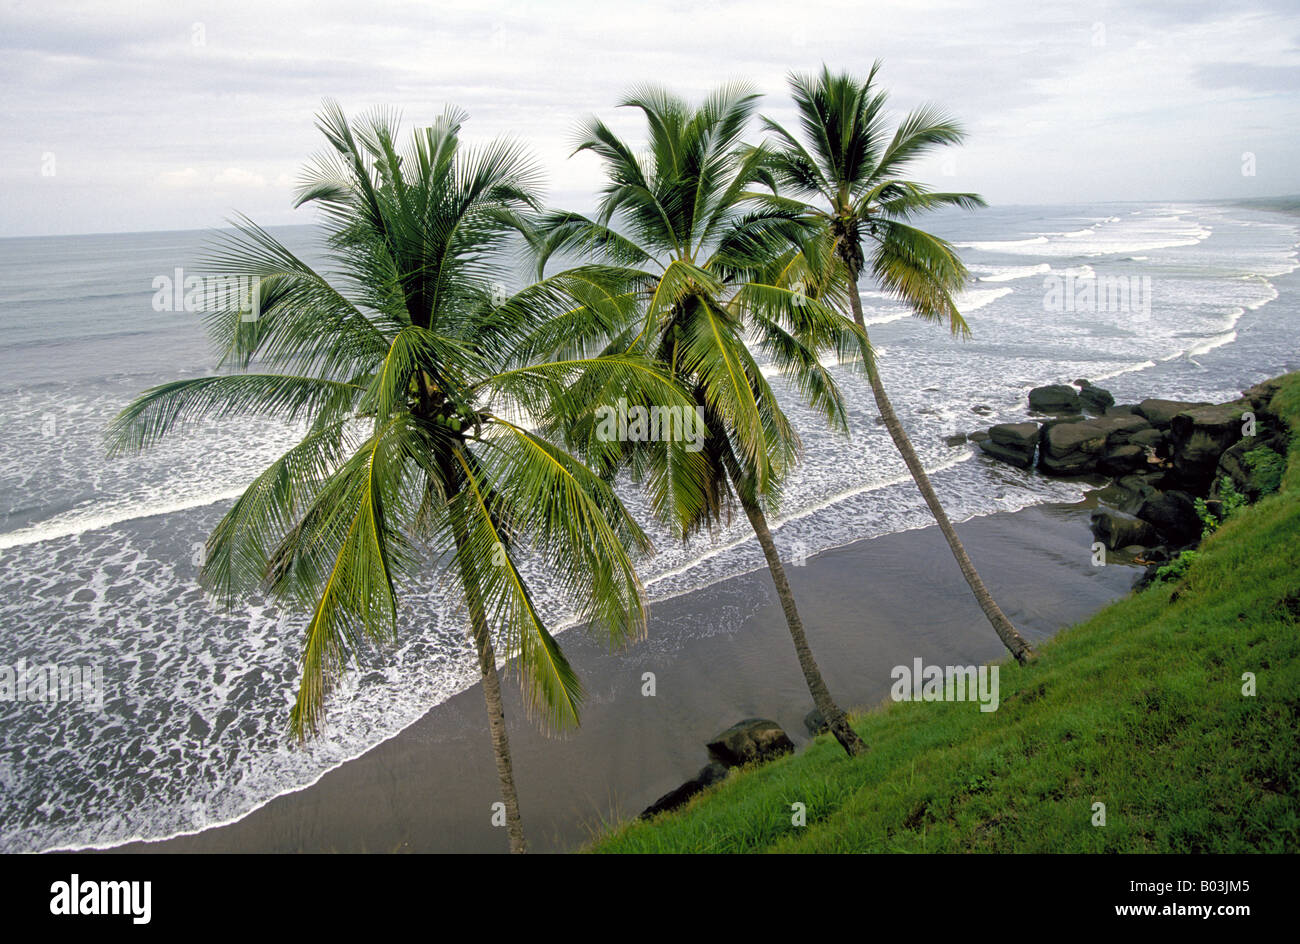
(1095,400)
(1071,448)
(982,409)
(1121,428)
(815,723)
(753,740)
(1012,442)
(1160,413)
(1118,460)
(1117,496)
(1055,398)
(957,439)
(679,797)
(978,436)
(1116,531)
(1261,395)
(1250,480)
(1016,435)
(1083,384)
(1173,514)
(1199,436)
(1149,438)
(1121,409)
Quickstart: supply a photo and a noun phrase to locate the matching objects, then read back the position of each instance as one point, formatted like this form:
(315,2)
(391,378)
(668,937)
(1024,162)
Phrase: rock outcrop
(1054,399)
(753,740)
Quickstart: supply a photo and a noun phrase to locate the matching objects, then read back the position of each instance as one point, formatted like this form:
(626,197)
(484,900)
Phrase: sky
(129,116)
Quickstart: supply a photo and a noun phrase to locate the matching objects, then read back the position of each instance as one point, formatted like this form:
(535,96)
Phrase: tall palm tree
(402,365)
(674,231)
(849,169)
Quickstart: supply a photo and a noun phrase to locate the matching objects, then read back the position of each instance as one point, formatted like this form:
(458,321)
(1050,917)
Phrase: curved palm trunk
(836,720)
(487,662)
(1007,632)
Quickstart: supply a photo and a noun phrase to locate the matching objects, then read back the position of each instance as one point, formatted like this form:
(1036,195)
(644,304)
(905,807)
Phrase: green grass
(1140,708)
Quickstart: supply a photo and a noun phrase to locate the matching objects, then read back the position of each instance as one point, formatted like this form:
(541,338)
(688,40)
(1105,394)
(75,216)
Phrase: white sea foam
(1012,273)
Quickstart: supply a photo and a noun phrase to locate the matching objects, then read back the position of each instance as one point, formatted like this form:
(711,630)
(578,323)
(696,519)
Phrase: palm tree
(674,232)
(402,365)
(848,168)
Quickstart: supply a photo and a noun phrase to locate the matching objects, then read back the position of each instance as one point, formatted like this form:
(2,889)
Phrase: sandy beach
(718,655)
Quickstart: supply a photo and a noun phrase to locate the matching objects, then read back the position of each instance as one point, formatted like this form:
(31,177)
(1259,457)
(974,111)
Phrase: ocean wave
(79,521)
(975,299)
(1003,245)
(1012,273)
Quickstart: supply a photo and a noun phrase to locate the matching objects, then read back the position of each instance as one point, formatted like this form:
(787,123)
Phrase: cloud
(1249,76)
(135,108)
(238,177)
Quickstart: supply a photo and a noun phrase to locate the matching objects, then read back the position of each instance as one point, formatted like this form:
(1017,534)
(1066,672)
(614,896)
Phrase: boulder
(1071,448)
(1149,438)
(1255,477)
(1160,413)
(978,436)
(1261,395)
(1095,400)
(1120,460)
(982,409)
(1172,513)
(1054,398)
(1120,428)
(1012,442)
(753,740)
(679,797)
(957,439)
(1117,531)
(1199,436)
(1117,496)
(1120,409)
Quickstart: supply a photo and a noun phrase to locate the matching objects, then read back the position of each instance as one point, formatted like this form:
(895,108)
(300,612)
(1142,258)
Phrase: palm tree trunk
(487,662)
(835,719)
(1006,631)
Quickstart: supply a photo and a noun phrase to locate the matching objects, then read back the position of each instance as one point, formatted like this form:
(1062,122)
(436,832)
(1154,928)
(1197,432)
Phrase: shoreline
(718,655)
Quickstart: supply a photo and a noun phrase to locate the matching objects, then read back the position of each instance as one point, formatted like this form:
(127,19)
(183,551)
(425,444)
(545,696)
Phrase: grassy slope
(1140,708)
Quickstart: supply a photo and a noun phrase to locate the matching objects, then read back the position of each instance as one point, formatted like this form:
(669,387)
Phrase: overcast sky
(171,115)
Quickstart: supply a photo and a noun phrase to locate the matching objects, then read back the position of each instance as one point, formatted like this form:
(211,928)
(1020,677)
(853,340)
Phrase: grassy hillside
(1140,708)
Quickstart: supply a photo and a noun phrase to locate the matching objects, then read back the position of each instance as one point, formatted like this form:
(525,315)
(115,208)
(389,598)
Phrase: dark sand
(718,655)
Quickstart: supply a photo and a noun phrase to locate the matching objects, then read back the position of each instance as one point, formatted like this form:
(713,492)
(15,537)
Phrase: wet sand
(718,655)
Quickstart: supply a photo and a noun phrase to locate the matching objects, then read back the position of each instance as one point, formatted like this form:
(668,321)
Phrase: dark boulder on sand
(1116,530)
(671,800)
(1054,398)
(1173,514)
(753,740)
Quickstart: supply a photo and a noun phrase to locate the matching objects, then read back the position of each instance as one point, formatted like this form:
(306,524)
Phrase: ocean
(98,558)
